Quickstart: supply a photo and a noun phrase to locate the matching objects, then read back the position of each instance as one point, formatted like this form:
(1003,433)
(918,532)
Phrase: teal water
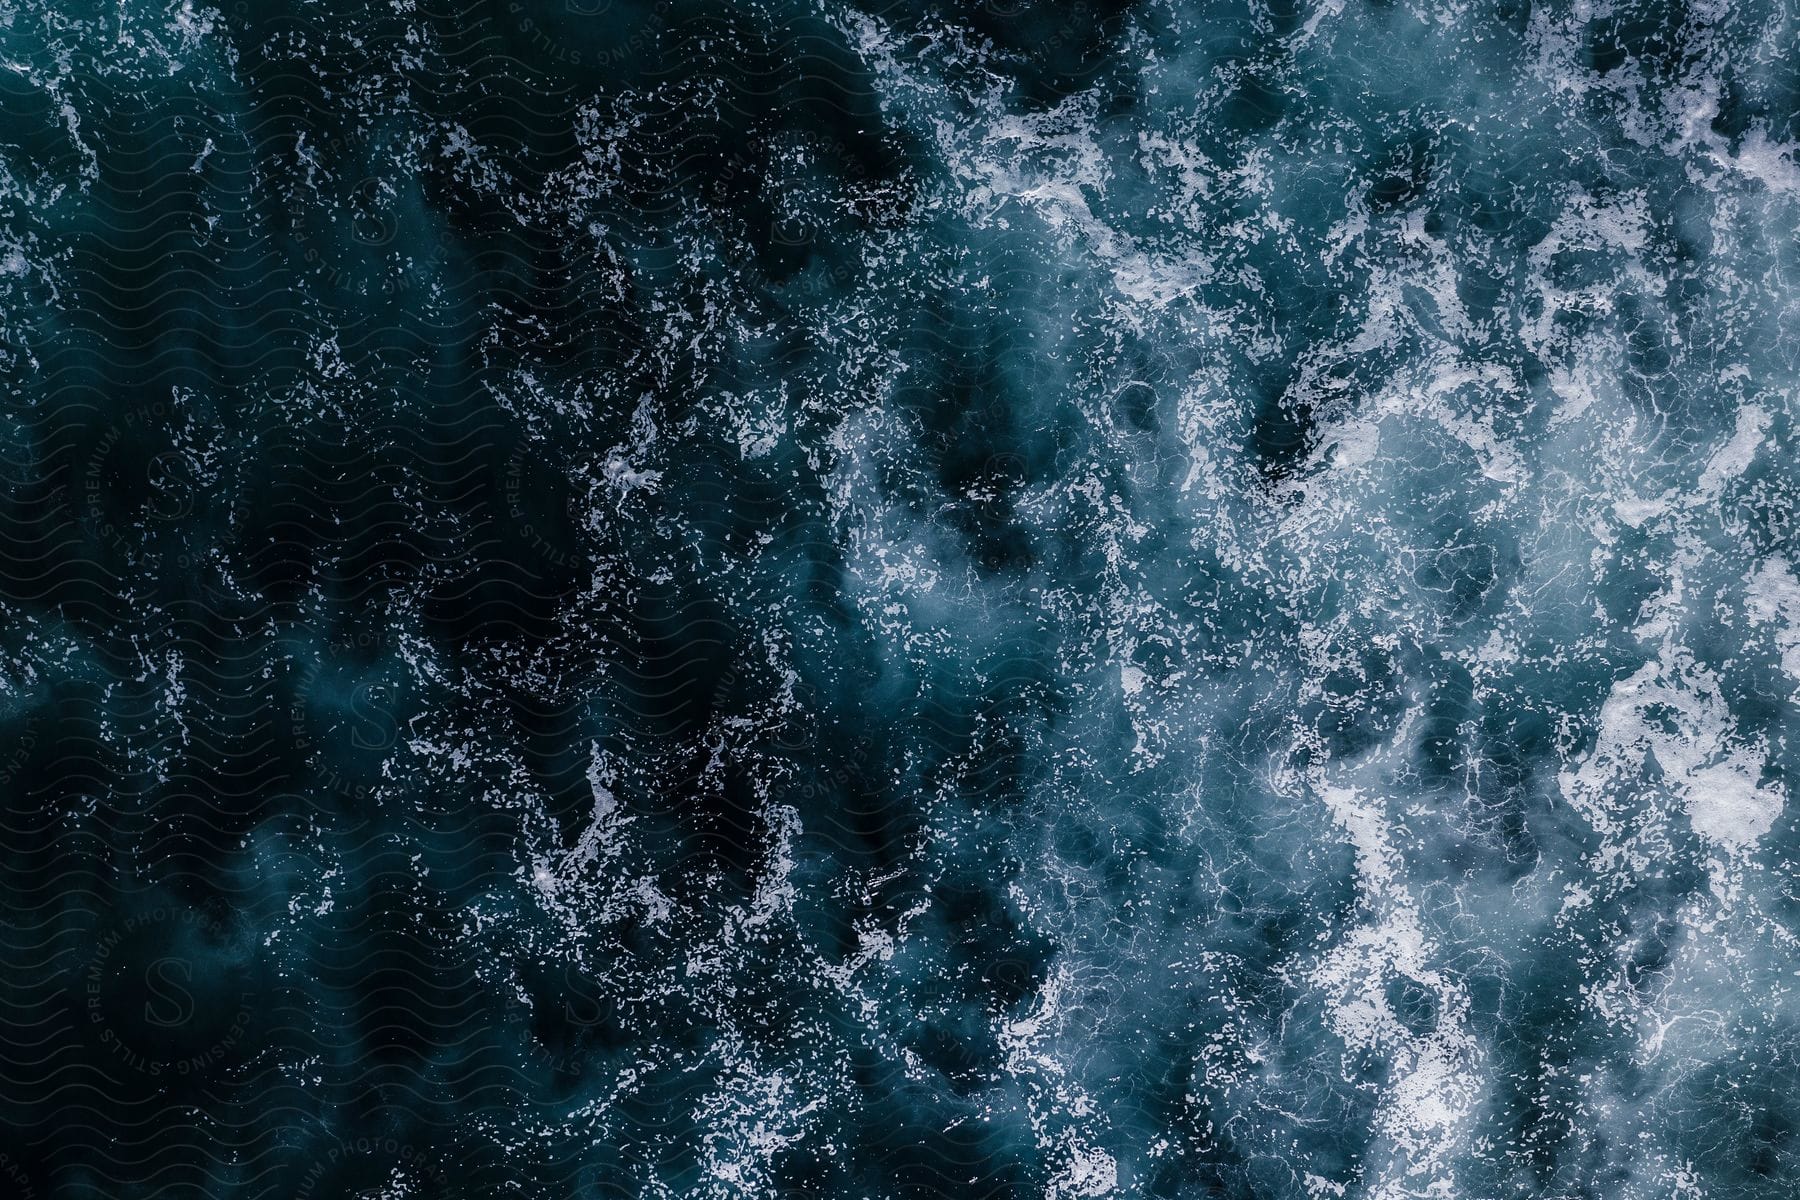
(850,600)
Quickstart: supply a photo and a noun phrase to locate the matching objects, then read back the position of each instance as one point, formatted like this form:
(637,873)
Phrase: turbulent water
(906,599)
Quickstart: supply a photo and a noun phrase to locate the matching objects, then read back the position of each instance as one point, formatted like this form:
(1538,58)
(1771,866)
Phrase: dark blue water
(611,599)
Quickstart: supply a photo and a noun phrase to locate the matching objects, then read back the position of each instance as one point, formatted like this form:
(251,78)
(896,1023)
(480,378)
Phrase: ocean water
(647,598)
